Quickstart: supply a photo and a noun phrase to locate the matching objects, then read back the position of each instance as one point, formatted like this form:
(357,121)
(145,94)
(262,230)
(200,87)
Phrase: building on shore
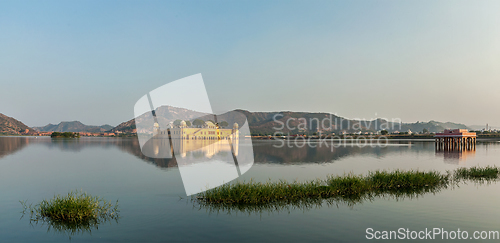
(455,139)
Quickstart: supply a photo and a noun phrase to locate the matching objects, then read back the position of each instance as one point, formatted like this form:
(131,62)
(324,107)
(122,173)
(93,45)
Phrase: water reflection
(456,157)
(194,150)
(71,229)
(459,157)
(10,145)
(264,152)
(269,152)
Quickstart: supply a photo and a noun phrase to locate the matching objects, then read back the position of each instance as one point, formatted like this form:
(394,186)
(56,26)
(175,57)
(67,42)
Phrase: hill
(125,127)
(481,127)
(432,126)
(262,122)
(164,114)
(73,126)
(298,122)
(11,126)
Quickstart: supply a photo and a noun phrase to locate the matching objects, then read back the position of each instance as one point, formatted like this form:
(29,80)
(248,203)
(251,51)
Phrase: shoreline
(344,137)
(367,137)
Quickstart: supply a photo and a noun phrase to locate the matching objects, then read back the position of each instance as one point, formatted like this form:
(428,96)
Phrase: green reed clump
(72,213)
(477,173)
(256,192)
(406,180)
(349,187)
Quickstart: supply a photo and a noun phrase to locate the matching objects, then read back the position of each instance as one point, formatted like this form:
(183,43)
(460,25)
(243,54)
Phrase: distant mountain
(73,126)
(267,122)
(11,126)
(264,122)
(480,127)
(259,121)
(125,127)
(299,122)
(164,115)
(432,126)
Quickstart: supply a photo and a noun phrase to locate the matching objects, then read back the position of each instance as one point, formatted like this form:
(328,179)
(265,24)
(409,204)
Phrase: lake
(154,207)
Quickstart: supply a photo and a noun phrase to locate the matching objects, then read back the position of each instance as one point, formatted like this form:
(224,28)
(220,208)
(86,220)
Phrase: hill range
(266,122)
(259,122)
(73,126)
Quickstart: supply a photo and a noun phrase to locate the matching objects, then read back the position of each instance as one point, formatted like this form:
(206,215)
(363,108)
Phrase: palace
(208,131)
(208,139)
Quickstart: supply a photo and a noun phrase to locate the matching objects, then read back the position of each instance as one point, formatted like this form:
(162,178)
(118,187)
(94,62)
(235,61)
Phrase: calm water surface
(154,207)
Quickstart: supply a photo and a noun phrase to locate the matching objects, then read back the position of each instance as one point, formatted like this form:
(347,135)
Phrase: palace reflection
(186,148)
(183,141)
(456,157)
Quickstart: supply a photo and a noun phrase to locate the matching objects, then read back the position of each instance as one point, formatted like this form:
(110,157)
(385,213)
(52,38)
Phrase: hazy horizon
(90,61)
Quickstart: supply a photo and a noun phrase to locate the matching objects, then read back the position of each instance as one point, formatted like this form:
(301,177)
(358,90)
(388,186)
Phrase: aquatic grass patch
(477,173)
(348,184)
(350,188)
(409,181)
(257,192)
(76,212)
(276,206)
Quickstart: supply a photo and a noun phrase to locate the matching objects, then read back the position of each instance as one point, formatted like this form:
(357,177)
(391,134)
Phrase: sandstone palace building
(208,131)
(209,139)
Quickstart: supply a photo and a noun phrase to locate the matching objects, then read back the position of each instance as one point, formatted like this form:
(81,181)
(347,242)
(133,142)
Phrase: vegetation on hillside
(65,135)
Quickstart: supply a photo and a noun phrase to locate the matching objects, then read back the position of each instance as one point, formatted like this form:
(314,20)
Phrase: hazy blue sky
(92,60)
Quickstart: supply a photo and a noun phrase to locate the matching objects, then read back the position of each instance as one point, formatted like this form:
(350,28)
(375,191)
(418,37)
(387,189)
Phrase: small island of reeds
(65,135)
(477,173)
(76,212)
(349,188)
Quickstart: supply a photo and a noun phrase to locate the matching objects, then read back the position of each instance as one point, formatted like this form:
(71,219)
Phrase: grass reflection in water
(350,189)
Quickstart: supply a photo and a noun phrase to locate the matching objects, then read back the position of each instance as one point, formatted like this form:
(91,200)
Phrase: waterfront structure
(208,131)
(456,139)
(209,139)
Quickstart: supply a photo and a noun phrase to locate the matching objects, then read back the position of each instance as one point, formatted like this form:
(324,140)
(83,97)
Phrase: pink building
(456,139)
